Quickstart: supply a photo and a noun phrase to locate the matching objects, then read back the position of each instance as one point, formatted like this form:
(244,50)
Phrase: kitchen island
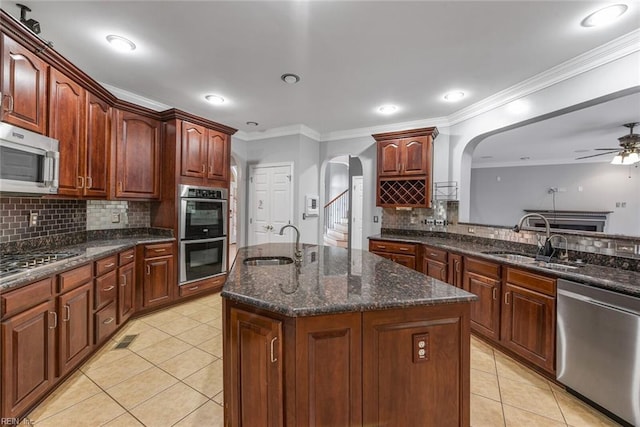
(342,338)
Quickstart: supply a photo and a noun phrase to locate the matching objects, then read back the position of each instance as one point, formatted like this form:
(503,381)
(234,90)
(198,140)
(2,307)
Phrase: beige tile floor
(171,375)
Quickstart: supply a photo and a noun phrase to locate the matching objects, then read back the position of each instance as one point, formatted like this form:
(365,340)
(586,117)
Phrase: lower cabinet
(126,291)
(158,275)
(483,279)
(434,263)
(454,270)
(75,328)
(401,253)
(348,368)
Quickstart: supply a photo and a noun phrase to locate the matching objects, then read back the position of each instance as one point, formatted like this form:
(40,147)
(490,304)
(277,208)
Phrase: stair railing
(336,209)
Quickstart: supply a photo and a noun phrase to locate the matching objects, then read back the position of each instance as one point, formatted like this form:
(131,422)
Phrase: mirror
(534,167)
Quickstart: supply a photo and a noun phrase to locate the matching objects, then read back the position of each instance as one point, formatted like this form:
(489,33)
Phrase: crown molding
(278,132)
(134,98)
(525,163)
(392,127)
(601,55)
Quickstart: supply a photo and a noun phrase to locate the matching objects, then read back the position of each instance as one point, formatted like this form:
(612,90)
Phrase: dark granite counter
(623,281)
(87,251)
(332,280)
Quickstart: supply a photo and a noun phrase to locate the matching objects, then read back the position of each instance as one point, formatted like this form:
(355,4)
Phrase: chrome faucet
(547,249)
(564,256)
(298,252)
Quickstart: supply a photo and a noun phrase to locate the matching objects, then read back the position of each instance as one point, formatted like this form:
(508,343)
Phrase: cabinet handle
(10,110)
(55,320)
(433,255)
(81,181)
(210,170)
(506,298)
(193,288)
(382,247)
(109,265)
(148,270)
(159,250)
(404,249)
(89,182)
(129,257)
(273,358)
(457,267)
(119,185)
(203,167)
(124,280)
(107,321)
(494,293)
(68,311)
(108,289)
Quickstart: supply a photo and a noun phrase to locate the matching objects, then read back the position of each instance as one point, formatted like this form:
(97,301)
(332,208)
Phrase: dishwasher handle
(599,303)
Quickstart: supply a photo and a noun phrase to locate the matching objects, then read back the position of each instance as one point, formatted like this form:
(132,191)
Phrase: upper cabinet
(405,168)
(204,154)
(97,147)
(23,87)
(137,157)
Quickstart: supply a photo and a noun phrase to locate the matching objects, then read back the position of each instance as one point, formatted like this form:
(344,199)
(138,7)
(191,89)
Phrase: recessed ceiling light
(290,78)
(252,123)
(604,16)
(215,99)
(453,96)
(120,43)
(387,109)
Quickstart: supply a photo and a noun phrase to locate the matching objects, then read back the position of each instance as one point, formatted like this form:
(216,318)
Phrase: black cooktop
(18,263)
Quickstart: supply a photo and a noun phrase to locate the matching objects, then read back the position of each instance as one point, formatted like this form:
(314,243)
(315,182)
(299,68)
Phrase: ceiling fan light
(617,160)
(633,158)
(625,159)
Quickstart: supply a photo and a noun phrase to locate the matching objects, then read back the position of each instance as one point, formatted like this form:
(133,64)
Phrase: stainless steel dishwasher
(598,347)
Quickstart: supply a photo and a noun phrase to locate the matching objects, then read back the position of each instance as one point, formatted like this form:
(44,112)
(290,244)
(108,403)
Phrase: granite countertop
(618,280)
(87,251)
(332,280)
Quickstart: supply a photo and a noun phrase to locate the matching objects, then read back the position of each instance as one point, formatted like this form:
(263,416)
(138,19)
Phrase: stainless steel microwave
(29,162)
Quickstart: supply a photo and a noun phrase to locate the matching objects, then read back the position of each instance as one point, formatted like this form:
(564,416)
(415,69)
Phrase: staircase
(337,233)
(336,221)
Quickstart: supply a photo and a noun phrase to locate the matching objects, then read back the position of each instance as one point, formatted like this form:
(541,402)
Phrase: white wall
(501,202)
(239,153)
(336,180)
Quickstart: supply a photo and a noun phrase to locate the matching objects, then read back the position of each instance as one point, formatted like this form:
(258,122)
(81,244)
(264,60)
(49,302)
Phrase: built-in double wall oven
(203,232)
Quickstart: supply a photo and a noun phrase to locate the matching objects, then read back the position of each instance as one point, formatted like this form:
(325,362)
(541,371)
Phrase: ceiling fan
(630,152)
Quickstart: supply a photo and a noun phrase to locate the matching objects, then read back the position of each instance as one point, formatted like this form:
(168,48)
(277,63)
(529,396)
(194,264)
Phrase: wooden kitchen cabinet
(75,332)
(158,275)
(483,279)
(399,252)
(404,168)
(126,285)
(97,148)
(256,361)
(67,122)
(434,262)
(28,346)
(137,157)
(204,153)
(23,87)
(454,270)
(528,316)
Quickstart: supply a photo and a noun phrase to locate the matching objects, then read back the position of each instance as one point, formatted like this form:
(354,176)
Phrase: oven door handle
(189,242)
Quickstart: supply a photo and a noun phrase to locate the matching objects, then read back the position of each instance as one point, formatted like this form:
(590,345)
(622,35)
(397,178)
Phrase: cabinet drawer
(105,322)
(191,289)
(394,247)
(106,289)
(126,257)
(482,267)
(25,297)
(435,254)
(106,264)
(531,281)
(76,277)
(160,249)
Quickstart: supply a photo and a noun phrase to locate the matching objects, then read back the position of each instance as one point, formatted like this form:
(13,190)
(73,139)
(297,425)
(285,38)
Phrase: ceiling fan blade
(607,149)
(596,155)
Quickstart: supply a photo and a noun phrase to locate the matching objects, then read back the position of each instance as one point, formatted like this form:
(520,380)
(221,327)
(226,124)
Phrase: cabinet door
(389,161)
(98,143)
(485,312)
(75,312)
(256,374)
(66,124)
(126,296)
(435,269)
(406,260)
(28,355)
(158,281)
(414,156)
(329,396)
(528,320)
(137,157)
(194,150)
(217,156)
(455,270)
(24,85)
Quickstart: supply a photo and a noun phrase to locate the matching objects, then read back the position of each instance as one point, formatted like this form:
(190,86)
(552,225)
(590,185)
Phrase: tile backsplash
(61,216)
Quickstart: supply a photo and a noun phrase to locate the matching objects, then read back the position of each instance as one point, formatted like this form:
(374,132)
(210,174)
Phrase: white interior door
(271,204)
(356,211)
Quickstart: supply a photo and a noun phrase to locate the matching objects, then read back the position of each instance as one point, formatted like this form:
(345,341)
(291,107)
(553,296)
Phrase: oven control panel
(188,191)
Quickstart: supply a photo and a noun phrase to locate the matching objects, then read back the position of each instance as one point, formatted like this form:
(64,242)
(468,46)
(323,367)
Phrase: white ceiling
(352,55)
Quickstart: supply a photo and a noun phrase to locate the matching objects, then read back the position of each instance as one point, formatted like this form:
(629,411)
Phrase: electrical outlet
(33,219)
(623,204)
(430,221)
(471,230)
(375,218)
(420,347)
(439,221)
(617,204)
(115,217)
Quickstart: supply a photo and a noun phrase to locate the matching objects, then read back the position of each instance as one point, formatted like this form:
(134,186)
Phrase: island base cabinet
(253,396)
(416,366)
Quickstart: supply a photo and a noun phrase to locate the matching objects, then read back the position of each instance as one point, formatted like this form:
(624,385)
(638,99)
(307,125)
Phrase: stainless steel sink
(555,266)
(264,260)
(513,257)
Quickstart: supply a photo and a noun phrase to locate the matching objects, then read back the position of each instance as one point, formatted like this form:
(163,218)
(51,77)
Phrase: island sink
(342,338)
(262,261)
